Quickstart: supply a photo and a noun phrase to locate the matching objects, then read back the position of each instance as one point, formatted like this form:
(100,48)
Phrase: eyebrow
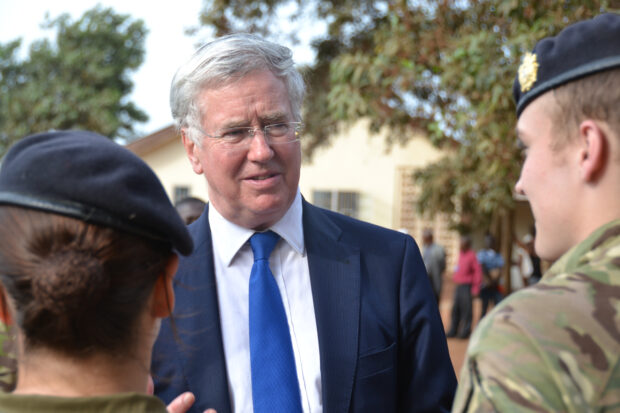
(234,124)
(274,117)
(519,143)
(264,120)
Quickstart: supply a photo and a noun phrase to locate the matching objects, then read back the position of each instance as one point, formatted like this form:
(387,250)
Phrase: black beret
(89,177)
(579,50)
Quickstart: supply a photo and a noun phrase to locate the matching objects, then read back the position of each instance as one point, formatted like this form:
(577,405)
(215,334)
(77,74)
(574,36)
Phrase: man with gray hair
(283,306)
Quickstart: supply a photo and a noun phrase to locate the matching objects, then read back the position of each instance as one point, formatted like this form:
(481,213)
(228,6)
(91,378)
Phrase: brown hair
(595,97)
(76,288)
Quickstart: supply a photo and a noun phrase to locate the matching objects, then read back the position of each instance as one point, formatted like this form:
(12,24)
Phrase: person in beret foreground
(555,347)
(87,255)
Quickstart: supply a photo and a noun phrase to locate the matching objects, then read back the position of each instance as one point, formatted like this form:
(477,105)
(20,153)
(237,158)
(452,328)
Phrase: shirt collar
(587,250)
(230,237)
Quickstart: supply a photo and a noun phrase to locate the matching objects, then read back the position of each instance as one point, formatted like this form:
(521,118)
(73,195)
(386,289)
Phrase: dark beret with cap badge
(579,50)
(89,177)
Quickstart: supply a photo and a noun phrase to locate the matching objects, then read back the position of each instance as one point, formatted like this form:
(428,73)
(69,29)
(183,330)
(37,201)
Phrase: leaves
(81,81)
(446,67)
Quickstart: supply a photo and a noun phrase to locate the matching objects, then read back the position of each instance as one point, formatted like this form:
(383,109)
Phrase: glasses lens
(235,135)
(278,130)
(276,133)
(283,132)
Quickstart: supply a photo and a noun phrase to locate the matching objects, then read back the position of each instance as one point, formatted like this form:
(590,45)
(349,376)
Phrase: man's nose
(519,186)
(260,150)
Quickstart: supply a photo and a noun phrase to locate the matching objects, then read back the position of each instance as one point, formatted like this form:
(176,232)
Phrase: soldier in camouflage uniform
(555,347)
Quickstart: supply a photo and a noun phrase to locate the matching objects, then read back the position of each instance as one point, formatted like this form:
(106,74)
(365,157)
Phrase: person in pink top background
(467,277)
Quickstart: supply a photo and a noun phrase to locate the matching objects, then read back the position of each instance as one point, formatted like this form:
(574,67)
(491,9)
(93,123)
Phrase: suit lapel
(199,323)
(335,278)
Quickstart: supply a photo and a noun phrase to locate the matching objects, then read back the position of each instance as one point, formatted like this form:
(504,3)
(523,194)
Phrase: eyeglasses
(274,134)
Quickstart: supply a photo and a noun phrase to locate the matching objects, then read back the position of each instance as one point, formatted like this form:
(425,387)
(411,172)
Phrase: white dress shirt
(233,259)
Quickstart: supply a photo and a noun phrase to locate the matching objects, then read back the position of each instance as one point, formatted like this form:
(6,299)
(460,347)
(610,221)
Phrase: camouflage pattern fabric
(8,363)
(555,346)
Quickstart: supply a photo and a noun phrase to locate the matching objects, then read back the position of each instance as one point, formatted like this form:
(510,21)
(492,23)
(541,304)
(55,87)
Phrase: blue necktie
(274,378)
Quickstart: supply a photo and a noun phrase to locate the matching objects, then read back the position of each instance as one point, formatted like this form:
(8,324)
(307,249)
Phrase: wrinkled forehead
(259,93)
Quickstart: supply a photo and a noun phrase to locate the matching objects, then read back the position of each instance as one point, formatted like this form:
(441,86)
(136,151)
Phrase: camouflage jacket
(555,346)
(8,364)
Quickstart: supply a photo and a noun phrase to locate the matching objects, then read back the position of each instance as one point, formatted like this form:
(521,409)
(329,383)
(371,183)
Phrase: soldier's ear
(594,152)
(5,313)
(163,291)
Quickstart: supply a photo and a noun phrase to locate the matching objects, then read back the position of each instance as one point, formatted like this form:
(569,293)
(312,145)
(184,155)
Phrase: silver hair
(225,60)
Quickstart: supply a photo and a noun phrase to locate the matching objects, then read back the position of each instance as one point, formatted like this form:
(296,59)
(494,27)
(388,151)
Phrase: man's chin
(266,214)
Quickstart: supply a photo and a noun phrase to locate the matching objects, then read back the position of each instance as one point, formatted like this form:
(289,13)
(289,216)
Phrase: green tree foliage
(444,67)
(81,81)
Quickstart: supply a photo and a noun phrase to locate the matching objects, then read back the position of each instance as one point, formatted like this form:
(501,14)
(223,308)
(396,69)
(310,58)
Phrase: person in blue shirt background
(491,262)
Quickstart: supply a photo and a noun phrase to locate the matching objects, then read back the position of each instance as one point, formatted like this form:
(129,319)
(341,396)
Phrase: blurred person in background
(468,278)
(190,209)
(528,245)
(491,263)
(522,268)
(434,256)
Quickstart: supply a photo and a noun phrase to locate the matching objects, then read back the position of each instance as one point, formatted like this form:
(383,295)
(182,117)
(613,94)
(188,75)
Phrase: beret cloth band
(581,49)
(89,177)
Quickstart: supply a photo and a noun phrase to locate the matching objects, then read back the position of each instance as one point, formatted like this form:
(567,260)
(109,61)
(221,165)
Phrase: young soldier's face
(548,178)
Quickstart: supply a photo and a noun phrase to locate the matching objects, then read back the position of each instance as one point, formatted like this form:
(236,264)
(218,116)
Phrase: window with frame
(344,202)
(180,192)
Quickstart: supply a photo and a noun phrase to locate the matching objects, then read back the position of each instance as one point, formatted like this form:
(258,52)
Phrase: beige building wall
(355,162)
(174,170)
(166,156)
(360,162)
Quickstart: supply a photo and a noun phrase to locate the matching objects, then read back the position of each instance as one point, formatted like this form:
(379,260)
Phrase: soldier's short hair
(593,97)
(581,67)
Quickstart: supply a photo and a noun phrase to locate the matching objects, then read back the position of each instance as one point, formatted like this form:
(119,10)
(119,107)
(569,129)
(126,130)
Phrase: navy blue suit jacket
(381,341)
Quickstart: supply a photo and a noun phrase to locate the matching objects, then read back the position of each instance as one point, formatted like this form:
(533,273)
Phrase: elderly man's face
(251,186)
